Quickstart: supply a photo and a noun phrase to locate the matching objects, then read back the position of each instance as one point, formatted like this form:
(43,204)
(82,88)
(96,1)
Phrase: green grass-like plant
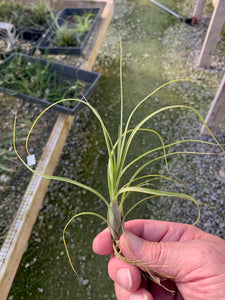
(35,79)
(118,165)
(35,14)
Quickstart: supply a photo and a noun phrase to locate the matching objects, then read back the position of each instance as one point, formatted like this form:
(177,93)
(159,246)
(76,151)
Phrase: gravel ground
(204,176)
(206,182)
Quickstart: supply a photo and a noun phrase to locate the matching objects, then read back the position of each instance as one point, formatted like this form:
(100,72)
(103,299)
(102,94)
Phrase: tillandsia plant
(71,32)
(8,36)
(117,167)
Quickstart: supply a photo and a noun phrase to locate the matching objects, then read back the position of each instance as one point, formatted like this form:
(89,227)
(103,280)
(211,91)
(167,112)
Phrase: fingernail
(135,243)
(138,297)
(124,279)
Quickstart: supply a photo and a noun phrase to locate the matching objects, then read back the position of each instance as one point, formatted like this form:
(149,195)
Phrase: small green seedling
(117,167)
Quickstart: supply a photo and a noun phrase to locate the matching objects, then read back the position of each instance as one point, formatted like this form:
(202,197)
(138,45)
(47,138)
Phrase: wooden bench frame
(217,110)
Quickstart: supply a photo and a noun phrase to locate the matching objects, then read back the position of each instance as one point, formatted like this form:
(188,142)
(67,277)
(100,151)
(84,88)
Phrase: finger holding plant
(117,168)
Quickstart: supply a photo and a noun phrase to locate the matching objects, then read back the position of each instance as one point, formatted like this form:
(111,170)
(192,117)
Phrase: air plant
(9,36)
(83,24)
(117,167)
(65,36)
(72,31)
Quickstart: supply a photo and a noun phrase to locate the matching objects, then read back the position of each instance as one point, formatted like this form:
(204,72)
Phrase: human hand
(193,259)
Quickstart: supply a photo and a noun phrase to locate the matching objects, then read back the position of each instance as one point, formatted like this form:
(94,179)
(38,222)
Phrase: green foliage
(37,80)
(72,32)
(83,24)
(33,15)
(65,37)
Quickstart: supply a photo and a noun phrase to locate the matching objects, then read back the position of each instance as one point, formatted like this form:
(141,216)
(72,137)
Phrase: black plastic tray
(45,43)
(64,72)
(31,33)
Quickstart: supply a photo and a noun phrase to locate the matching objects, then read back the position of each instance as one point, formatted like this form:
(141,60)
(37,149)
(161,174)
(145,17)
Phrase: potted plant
(44,82)
(70,31)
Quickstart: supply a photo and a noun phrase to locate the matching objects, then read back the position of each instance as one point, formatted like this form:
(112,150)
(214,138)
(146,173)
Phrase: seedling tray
(64,73)
(45,43)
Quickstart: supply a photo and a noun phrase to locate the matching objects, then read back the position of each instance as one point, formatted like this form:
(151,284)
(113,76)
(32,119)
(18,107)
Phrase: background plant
(73,30)
(38,80)
(10,37)
(34,14)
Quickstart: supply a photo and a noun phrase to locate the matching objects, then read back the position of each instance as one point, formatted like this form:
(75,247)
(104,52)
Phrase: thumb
(167,258)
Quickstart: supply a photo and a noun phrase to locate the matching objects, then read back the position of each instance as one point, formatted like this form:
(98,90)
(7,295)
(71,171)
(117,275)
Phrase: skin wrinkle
(202,293)
(155,255)
(157,260)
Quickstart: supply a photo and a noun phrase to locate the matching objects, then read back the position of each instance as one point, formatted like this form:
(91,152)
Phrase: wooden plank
(217,110)
(213,34)
(19,233)
(85,3)
(199,8)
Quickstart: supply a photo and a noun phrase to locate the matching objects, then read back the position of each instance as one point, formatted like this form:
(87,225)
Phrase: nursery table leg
(199,7)
(213,34)
(217,110)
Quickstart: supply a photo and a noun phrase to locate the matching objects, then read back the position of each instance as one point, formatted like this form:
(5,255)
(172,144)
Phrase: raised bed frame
(20,230)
